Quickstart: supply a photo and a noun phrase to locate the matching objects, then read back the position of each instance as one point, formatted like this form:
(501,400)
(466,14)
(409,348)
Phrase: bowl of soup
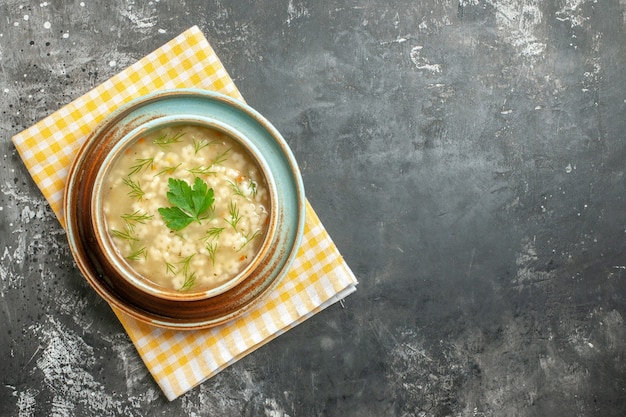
(184,208)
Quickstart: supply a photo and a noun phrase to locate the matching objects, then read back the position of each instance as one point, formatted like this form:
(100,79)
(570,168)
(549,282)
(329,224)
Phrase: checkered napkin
(180,360)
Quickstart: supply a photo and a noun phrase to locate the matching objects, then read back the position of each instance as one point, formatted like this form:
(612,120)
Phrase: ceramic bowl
(113,278)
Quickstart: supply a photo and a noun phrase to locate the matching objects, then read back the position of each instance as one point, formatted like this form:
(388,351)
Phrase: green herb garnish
(249,238)
(211,247)
(168,170)
(131,219)
(135,188)
(137,254)
(220,158)
(233,211)
(165,140)
(137,216)
(213,233)
(184,268)
(127,234)
(190,203)
(206,170)
(190,277)
(199,144)
(200,170)
(141,164)
(169,268)
(236,189)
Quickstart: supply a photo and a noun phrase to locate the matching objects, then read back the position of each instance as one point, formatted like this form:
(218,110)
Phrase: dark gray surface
(468,158)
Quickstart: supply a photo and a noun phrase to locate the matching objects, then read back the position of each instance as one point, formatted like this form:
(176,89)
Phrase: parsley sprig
(189,203)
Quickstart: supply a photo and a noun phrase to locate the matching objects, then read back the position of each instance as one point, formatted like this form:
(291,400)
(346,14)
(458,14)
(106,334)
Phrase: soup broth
(186,206)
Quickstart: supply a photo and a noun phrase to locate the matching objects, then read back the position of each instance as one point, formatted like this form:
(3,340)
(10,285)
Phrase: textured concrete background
(468,157)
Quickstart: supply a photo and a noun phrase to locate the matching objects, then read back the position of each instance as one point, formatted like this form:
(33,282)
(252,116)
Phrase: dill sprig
(135,188)
(141,164)
(210,241)
(131,219)
(137,216)
(206,170)
(190,277)
(213,233)
(200,170)
(236,189)
(249,238)
(165,140)
(221,158)
(170,268)
(199,144)
(128,233)
(138,254)
(211,248)
(233,211)
(184,267)
(168,170)
(186,263)
(253,190)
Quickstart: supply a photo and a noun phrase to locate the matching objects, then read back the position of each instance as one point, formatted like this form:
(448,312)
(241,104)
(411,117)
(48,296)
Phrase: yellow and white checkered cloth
(180,360)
